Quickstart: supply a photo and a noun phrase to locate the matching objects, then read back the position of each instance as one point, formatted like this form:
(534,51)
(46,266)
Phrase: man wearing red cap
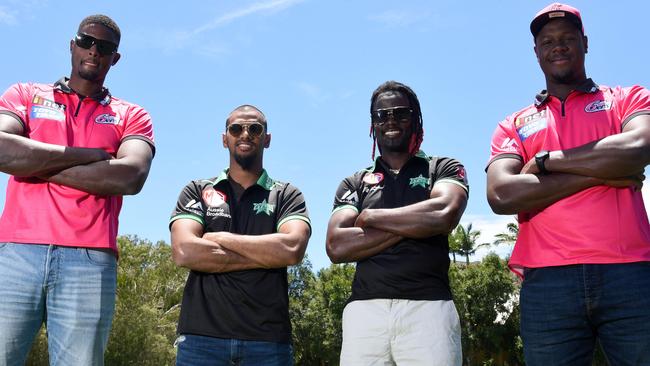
(571,166)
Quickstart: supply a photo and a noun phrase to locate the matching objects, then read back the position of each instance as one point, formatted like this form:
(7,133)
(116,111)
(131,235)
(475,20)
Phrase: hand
(530,167)
(633,181)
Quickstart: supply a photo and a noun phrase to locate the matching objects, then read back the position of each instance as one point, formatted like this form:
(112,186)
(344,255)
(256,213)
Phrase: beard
(88,74)
(245,161)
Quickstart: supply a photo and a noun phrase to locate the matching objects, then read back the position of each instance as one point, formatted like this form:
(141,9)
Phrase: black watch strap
(540,159)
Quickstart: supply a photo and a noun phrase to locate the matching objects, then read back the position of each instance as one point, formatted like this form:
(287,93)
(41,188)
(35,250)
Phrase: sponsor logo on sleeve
(598,105)
(107,119)
(531,124)
(350,197)
(509,145)
(194,206)
(461,174)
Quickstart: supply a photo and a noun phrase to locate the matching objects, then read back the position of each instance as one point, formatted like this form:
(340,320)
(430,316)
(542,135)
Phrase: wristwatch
(540,159)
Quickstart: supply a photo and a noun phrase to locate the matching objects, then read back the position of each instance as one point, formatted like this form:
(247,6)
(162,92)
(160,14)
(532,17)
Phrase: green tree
(466,238)
(509,237)
(485,295)
(317,311)
(454,244)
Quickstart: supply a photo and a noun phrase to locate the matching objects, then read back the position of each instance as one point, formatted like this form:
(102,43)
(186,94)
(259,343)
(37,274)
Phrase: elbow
(334,252)
(133,186)
(178,256)
(501,206)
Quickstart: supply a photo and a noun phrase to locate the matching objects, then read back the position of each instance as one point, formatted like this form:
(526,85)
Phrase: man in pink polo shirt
(72,150)
(571,166)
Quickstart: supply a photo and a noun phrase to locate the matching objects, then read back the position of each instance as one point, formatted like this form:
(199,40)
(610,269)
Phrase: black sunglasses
(254,129)
(104,48)
(398,114)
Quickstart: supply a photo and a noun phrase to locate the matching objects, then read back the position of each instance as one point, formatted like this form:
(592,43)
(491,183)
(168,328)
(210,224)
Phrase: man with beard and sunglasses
(393,219)
(237,233)
(571,166)
(72,150)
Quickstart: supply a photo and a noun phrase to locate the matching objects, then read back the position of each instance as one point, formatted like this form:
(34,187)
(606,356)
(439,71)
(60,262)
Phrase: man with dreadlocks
(393,219)
(72,150)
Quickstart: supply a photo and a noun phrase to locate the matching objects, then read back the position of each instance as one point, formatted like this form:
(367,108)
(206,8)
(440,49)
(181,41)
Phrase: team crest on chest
(419,181)
(107,119)
(598,105)
(263,207)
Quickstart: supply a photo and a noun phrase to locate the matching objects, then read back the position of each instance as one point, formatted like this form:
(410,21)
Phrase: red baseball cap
(556,11)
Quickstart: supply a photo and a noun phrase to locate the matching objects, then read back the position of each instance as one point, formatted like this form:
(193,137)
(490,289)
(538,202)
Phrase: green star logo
(263,207)
(419,181)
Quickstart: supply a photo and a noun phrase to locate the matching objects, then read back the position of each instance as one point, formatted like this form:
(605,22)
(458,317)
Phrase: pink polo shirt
(47,213)
(599,224)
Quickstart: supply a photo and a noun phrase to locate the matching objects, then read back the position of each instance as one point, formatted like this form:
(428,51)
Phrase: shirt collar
(103,97)
(263,181)
(588,86)
(420,154)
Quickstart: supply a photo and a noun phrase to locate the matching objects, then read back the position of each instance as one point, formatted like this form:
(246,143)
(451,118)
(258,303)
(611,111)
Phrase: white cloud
(7,16)
(490,226)
(398,19)
(268,7)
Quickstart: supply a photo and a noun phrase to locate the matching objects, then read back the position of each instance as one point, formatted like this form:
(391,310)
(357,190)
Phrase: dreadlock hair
(416,118)
(103,20)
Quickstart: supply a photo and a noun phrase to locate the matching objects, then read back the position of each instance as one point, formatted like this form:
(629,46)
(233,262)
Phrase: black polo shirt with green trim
(414,269)
(250,304)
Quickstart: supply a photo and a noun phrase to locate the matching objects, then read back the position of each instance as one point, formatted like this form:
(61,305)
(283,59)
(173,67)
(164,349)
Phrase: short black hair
(244,107)
(418,130)
(103,20)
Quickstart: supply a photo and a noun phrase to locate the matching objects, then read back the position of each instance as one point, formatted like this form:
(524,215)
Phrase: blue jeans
(72,290)
(195,350)
(566,310)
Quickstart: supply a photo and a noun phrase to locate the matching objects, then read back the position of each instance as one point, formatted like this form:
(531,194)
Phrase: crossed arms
(90,170)
(616,161)
(217,252)
(353,236)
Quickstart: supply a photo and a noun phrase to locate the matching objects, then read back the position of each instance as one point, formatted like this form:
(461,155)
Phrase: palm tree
(467,238)
(508,237)
(454,244)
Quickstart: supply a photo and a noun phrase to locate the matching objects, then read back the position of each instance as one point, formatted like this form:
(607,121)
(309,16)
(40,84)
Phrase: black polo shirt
(250,304)
(414,269)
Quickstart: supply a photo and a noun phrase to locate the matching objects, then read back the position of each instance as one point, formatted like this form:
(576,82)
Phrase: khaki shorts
(401,332)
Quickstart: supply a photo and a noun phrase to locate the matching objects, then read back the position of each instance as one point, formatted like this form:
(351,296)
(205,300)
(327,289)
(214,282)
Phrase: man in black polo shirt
(393,219)
(237,233)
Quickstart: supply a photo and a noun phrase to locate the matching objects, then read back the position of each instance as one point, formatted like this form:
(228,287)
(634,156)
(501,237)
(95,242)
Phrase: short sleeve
(505,143)
(448,170)
(15,100)
(138,125)
(633,101)
(189,205)
(292,206)
(347,196)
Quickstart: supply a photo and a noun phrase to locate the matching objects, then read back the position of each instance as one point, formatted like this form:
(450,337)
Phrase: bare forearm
(21,156)
(352,244)
(205,256)
(420,220)
(275,250)
(108,177)
(528,192)
(611,157)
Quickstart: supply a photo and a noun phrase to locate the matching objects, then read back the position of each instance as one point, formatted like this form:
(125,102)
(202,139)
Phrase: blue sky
(311,66)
